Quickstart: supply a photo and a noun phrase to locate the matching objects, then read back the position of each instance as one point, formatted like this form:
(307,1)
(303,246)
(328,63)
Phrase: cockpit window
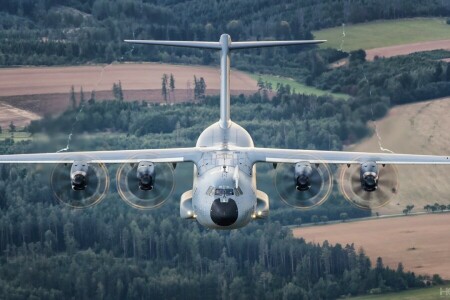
(224,192)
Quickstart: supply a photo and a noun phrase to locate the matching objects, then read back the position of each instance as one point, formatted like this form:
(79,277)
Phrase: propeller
(306,189)
(145,189)
(351,188)
(95,184)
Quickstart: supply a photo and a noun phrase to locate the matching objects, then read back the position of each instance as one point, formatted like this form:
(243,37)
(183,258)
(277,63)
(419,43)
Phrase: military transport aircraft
(224,193)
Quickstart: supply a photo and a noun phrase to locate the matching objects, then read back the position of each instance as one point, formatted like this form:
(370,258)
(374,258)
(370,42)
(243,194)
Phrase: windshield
(224,192)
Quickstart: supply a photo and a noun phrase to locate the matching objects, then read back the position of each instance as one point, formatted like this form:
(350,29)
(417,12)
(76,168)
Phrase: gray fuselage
(218,172)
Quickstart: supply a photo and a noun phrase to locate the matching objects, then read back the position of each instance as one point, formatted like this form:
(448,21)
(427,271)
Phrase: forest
(55,32)
(113,251)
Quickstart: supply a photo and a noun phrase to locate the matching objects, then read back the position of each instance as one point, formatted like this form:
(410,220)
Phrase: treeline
(53,32)
(289,120)
(389,81)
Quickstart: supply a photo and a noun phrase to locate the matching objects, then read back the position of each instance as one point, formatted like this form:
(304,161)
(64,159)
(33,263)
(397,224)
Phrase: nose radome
(224,213)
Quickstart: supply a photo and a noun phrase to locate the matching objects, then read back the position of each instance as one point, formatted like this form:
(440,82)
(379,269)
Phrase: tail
(225,45)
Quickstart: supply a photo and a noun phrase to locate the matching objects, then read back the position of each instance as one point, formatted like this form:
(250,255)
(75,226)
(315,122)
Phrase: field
(421,243)
(436,292)
(36,91)
(20,117)
(420,128)
(299,87)
(385,33)
(134,76)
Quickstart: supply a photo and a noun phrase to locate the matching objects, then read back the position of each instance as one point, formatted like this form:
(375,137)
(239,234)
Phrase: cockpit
(223,191)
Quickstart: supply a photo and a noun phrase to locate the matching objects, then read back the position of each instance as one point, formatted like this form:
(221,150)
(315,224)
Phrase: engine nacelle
(303,171)
(78,175)
(146,175)
(369,176)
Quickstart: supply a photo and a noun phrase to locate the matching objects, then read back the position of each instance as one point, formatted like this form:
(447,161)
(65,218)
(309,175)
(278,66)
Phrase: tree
(12,129)
(172,85)
(343,216)
(164,87)
(202,87)
(73,99)
(260,84)
(82,100)
(324,219)
(315,219)
(117,91)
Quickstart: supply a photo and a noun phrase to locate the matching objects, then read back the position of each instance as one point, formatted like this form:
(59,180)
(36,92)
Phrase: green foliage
(390,81)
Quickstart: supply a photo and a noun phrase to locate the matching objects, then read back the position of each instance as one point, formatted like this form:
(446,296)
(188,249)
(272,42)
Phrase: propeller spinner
(303,185)
(145,185)
(79,184)
(368,185)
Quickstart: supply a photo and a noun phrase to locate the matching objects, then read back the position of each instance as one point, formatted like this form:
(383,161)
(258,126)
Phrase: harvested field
(419,242)
(407,49)
(56,80)
(19,117)
(46,90)
(420,128)
(56,103)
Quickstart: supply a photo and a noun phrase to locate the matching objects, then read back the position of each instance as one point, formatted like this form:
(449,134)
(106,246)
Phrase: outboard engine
(369,176)
(78,175)
(303,171)
(146,175)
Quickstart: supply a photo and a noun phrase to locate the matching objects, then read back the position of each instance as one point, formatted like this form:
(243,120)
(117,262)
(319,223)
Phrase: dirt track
(52,80)
(407,49)
(421,243)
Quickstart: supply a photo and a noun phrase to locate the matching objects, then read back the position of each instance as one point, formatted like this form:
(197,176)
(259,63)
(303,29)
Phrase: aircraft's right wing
(341,157)
(171,155)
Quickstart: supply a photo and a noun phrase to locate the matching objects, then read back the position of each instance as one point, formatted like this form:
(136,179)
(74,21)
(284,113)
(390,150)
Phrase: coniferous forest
(113,251)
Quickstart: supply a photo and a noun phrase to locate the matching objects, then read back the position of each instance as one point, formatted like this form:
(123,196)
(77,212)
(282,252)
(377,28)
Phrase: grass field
(385,33)
(18,136)
(417,294)
(299,87)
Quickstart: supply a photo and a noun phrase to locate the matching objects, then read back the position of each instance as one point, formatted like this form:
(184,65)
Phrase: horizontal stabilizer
(260,44)
(231,45)
(190,44)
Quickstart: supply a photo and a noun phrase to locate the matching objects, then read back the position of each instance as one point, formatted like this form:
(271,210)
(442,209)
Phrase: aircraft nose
(224,213)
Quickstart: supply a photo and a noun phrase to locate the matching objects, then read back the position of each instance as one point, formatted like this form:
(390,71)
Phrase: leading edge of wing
(170,155)
(342,157)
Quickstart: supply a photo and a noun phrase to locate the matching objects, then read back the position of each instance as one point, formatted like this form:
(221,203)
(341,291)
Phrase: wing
(341,157)
(120,156)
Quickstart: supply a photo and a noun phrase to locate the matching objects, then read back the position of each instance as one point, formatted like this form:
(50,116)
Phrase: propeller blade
(95,191)
(320,180)
(129,190)
(351,189)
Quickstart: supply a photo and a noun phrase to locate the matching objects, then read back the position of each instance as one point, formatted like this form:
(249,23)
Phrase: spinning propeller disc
(320,180)
(129,191)
(350,186)
(95,191)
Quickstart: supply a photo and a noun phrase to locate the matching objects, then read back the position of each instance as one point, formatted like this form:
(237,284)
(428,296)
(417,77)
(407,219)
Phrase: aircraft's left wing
(341,157)
(173,155)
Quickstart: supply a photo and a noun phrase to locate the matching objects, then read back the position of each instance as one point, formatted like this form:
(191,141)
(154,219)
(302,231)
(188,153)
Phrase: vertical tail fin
(225,45)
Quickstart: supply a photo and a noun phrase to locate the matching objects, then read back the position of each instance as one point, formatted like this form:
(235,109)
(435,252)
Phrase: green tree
(164,89)
(73,99)
(343,216)
(172,86)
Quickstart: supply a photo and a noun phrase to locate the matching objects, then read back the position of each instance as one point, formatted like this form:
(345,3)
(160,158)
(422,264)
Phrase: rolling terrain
(419,128)
(46,90)
(378,34)
(419,242)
